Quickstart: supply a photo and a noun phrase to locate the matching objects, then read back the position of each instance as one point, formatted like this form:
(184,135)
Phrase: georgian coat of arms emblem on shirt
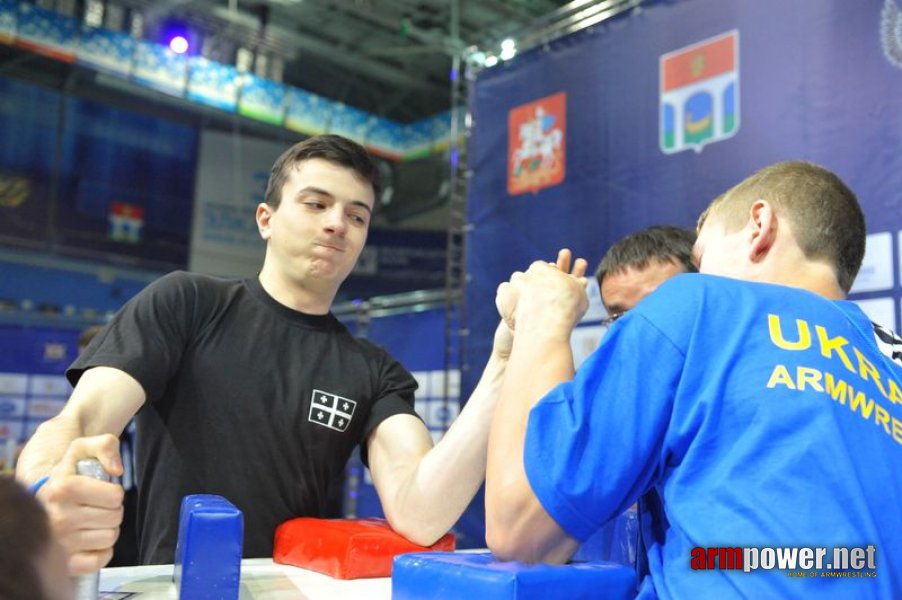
(330,410)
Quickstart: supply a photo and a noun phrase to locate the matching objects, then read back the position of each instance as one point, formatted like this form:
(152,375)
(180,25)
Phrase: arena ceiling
(388,57)
(391,58)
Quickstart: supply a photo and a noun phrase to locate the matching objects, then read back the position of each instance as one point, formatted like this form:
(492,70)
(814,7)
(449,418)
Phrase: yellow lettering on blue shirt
(776,334)
(861,403)
(839,391)
(808,376)
(866,368)
(882,418)
(837,349)
(830,345)
(895,394)
(780,376)
(836,389)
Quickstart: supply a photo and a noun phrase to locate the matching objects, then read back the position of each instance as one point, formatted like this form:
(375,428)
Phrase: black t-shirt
(246,398)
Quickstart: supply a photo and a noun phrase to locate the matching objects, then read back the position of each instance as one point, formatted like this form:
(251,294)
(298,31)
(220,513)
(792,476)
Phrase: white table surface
(261,579)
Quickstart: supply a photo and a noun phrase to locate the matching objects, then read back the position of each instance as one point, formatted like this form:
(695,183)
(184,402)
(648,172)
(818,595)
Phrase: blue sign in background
(814,84)
(96,155)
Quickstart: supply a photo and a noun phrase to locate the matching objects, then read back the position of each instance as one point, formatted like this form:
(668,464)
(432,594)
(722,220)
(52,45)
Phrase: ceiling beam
(505,8)
(333,53)
(429,38)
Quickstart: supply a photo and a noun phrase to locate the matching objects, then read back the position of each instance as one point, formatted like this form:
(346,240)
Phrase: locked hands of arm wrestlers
(548,298)
(541,306)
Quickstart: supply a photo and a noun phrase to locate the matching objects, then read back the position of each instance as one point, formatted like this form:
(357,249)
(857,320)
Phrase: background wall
(644,119)
(637,121)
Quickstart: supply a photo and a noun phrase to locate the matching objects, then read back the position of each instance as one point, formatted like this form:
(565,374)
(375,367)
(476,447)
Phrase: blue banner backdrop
(125,181)
(666,107)
(32,386)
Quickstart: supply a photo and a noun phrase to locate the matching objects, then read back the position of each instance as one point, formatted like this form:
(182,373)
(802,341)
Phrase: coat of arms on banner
(331,411)
(126,222)
(537,134)
(700,93)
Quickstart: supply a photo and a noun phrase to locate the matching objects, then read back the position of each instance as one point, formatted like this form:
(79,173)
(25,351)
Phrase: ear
(263,216)
(762,227)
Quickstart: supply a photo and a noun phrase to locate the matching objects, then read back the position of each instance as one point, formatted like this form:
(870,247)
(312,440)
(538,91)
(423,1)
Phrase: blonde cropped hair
(824,213)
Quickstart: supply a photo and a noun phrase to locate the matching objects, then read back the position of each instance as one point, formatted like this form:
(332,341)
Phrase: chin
(329,275)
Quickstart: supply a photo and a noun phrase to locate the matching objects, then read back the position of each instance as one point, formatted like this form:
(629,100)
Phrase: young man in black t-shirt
(253,390)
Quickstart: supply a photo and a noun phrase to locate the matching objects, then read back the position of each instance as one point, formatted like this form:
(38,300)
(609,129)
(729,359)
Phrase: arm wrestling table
(261,579)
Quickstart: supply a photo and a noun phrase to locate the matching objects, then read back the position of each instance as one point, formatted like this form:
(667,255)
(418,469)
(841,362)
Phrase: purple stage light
(178,44)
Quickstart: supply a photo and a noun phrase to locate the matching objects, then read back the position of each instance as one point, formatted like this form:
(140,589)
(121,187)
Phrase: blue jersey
(754,416)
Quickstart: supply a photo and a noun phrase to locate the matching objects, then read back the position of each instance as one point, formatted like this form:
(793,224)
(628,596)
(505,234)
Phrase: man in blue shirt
(751,403)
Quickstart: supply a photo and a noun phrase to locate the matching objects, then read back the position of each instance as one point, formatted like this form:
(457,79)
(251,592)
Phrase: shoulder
(691,305)
(368,349)
(195,280)
(701,284)
(180,295)
(380,360)
(183,283)
(684,294)
(693,292)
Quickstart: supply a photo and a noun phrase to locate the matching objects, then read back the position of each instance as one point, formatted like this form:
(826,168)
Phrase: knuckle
(77,446)
(77,565)
(104,557)
(99,540)
(52,492)
(84,563)
(60,523)
(63,489)
(65,525)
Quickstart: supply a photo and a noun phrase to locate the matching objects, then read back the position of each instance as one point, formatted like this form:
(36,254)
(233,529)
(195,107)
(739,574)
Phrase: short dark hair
(24,538)
(661,243)
(333,148)
(827,220)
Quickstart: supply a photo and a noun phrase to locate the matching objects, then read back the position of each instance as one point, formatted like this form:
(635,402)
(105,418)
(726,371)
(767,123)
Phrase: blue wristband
(34,487)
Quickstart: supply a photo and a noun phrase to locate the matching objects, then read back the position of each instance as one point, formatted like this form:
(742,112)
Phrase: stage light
(179,37)
(508,49)
(178,44)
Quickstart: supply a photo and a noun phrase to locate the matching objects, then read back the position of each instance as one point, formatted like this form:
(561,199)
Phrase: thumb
(506,303)
(105,448)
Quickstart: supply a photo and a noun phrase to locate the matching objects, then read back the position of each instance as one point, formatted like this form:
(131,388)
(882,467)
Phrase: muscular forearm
(443,483)
(514,516)
(87,413)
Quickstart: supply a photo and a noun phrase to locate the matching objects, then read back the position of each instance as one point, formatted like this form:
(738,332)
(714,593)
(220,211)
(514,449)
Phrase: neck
(294,294)
(816,277)
(786,264)
(825,288)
